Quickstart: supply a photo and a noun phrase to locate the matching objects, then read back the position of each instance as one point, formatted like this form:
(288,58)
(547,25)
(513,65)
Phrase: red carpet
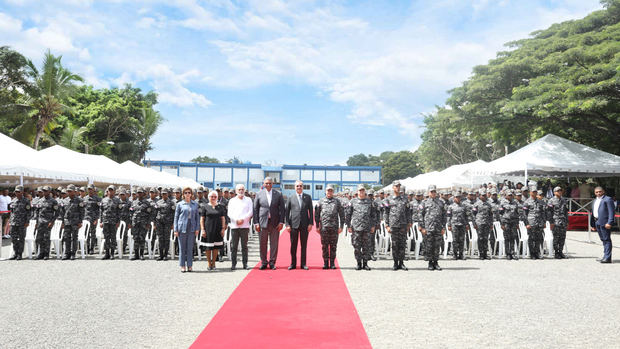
(288,309)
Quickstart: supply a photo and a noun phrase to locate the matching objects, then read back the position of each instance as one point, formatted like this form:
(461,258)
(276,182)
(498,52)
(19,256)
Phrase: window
(306,186)
(318,187)
(289,187)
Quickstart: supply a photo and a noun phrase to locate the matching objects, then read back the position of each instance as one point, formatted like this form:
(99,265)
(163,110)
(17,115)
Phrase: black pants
(18,236)
(236,235)
(300,233)
(43,238)
(70,238)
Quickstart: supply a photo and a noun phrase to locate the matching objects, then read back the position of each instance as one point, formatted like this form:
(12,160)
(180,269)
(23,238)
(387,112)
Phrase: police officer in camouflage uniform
(378,214)
(92,204)
(509,210)
(535,216)
(360,217)
(558,219)
(494,201)
(48,210)
(19,220)
(329,219)
(164,220)
(482,211)
(397,217)
(110,219)
(72,221)
(141,213)
(519,199)
(432,222)
(457,223)
(125,214)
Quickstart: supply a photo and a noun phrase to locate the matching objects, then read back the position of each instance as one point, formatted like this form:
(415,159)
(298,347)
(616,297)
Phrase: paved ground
(550,303)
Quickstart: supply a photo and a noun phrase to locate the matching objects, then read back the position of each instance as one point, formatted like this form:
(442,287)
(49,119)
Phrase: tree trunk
(37,137)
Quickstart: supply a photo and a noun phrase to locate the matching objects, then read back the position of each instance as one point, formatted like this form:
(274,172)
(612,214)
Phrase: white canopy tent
(20,164)
(150,177)
(554,156)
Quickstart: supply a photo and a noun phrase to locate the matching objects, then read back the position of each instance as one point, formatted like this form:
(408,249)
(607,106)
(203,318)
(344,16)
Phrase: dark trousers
(18,236)
(236,235)
(298,234)
(70,238)
(483,237)
(269,234)
(605,235)
(109,235)
(43,238)
(163,236)
(91,236)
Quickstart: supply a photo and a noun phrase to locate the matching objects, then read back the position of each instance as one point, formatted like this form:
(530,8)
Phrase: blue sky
(274,81)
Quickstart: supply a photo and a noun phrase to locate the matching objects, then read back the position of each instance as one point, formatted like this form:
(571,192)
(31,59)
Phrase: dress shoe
(606,261)
(233,267)
(263,267)
(245,266)
(304,267)
(272,266)
(291,267)
(332,267)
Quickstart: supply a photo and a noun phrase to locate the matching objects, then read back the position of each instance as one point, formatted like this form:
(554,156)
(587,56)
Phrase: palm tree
(51,88)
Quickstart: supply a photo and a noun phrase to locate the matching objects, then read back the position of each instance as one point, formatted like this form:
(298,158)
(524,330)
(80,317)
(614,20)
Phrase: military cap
(482,191)
(199,190)
(226,190)
(371,192)
(361,187)
(82,189)
(63,191)
(409,192)
(47,188)
(396,183)
(419,192)
(557,189)
(533,188)
(380,191)
(164,191)
(122,191)
(19,188)
(152,190)
(177,190)
(493,191)
(508,192)
(91,186)
(456,193)
(39,189)
(71,187)
(139,190)
(518,192)
(329,187)
(471,191)
(432,187)
(59,188)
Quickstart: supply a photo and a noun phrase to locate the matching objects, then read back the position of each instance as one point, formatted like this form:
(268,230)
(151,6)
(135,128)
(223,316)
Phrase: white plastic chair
(82,237)
(548,240)
(149,238)
(228,242)
(410,235)
(56,238)
(172,244)
(100,238)
(523,239)
(417,235)
(448,240)
(30,237)
(499,239)
(120,233)
(473,239)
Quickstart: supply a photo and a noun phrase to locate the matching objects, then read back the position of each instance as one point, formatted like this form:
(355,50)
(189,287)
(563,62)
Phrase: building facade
(315,178)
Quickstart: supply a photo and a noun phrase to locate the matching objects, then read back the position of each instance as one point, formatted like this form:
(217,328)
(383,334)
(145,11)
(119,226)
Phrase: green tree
(205,159)
(358,160)
(51,87)
(13,84)
(400,165)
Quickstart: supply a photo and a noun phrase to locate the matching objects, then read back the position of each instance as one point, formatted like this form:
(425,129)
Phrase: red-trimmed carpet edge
(288,309)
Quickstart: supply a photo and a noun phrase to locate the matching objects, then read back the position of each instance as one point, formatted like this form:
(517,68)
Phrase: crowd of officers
(361,211)
(138,209)
(458,211)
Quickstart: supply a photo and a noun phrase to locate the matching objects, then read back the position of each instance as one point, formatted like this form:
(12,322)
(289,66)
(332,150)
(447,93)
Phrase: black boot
(437,267)
(402,266)
(509,257)
(40,256)
(332,264)
(455,255)
(325,263)
(481,255)
(557,255)
(141,253)
(359,265)
(14,256)
(111,254)
(486,255)
(136,255)
(107,255)
(395,267)
(366,267)
(165,254)
(431,265)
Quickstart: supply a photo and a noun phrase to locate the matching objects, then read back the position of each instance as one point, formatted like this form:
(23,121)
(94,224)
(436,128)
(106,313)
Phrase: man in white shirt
(5,200)
(240,211)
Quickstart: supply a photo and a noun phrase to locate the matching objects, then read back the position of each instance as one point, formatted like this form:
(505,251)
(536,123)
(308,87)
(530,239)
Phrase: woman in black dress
(213,225)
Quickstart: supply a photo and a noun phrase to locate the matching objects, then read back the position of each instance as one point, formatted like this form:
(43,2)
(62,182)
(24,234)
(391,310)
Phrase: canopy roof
(554,156)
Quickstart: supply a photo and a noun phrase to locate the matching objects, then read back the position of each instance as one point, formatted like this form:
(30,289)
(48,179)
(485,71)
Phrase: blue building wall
(315,178)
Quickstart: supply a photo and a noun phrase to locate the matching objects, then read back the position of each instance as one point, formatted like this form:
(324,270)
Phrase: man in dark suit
(299,220)
(268,221)
(602,218)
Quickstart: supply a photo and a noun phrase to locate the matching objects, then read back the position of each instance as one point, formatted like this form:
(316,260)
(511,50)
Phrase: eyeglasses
(298,186)
(187,192)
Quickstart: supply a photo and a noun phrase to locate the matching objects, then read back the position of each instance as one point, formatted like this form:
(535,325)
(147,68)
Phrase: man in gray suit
(299,222)
(269,219)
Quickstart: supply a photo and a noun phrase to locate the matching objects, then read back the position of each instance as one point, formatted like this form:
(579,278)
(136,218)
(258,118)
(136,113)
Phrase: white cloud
(170,86)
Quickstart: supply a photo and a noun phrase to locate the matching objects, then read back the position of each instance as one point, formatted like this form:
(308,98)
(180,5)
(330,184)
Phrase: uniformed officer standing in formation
(329,219)
(47,213)
(457,223)
(152,200)
(361,219)
(72,221)
(397,216)
(558,219)
(482,211)
(378,214)
(432,222)
(110,219)
(494,201)
(125,215)
(163,223)
(535,215)
(20,219)
(141,212)
(92,204)
(509,210)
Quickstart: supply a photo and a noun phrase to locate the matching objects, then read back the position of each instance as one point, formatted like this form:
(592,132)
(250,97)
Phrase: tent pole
(21,179)
(525,182)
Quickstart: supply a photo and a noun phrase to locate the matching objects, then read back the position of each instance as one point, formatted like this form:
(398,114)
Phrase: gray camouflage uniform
(433,219)
(48,212)
(509,210)
(557,214)
(535,216)
(91,213)
(164,220)
(483,218)
(329,217)
(397,216)
(110,217)
(360,217)
(20,216)
(141,211)
(457,217)
(74,215)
